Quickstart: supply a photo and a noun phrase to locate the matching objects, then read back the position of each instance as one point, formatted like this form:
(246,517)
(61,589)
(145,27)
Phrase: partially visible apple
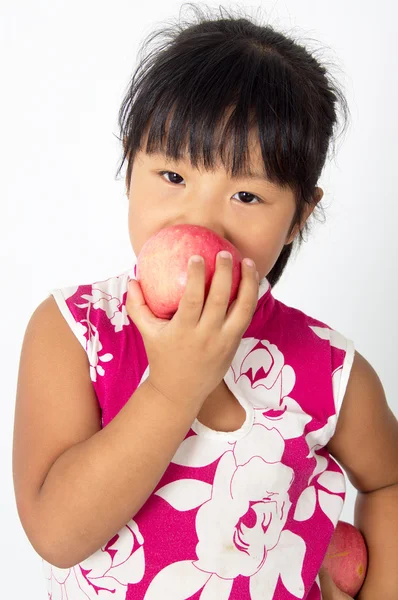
(162,265)
(346,558)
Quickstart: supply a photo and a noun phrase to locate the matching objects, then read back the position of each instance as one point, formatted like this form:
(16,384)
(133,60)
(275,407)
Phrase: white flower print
(259,373)
(111,305)
(241,518)
(330,503)
(239,524)
(334,482)
(93,349)
(116,313)
(104,575)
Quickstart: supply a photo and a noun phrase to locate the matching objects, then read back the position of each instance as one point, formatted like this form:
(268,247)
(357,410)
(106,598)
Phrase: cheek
(142,224)
(272,234)
(136,227)
(281,229)
(268,246)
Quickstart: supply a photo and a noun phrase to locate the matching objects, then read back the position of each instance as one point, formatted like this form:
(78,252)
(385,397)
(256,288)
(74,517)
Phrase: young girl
(199,457)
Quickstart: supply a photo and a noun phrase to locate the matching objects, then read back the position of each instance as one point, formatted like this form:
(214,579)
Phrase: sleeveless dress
(241,515)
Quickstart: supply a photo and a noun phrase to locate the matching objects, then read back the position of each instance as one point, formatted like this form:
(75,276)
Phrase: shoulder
(325,350)
(318,328)
(365,441)
(47,325)
(107,289)
(91,304)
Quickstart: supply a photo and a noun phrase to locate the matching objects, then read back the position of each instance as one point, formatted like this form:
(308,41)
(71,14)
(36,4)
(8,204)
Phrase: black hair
(214,63)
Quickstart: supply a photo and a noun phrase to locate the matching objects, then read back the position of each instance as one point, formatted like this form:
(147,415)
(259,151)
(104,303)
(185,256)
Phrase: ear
(318,194)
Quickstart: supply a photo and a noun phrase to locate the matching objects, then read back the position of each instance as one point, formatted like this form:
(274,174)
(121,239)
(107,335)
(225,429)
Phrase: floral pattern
(105,574)
(116,313)
(269,478)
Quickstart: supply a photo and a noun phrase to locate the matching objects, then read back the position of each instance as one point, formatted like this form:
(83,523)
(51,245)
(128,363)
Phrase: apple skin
(162,265)
(346,558)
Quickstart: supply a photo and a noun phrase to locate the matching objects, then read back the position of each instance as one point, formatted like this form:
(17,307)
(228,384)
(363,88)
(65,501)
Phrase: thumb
(328,587)
(136,305)
(134,292)
(138,310)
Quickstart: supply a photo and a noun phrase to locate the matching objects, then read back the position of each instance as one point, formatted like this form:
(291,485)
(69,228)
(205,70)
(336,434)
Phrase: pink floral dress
(238,515)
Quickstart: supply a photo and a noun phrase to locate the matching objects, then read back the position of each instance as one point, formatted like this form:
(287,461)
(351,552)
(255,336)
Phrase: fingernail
(196,259)
(248,262)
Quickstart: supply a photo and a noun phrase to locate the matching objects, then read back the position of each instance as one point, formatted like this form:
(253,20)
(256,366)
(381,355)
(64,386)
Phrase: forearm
(376,516)
(97,486)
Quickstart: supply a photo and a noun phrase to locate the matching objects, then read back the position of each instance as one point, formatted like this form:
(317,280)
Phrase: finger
(191,303)
(137,308)
(219,294)
(327,584)
(242,309)
(330,591)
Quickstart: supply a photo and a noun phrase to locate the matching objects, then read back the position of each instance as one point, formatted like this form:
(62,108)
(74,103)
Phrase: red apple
(346,558)
(162,265)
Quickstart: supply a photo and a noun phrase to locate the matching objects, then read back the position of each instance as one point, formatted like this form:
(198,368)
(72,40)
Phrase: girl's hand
(189,354)
(329,589)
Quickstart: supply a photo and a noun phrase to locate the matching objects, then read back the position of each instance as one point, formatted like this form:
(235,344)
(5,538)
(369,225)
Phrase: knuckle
(192,302)
(247,308)
(224,264)
(219,299)
(219,349)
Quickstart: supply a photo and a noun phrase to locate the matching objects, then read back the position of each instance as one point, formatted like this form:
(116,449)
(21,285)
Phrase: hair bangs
(216,110)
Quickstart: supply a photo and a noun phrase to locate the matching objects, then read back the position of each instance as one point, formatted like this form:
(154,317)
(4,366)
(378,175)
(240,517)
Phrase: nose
(211,226)
(205,209)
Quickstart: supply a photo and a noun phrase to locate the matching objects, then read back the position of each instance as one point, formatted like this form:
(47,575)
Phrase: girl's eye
(244,194)
(161,173)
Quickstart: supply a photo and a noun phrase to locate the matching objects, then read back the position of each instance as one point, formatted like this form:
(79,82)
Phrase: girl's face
(253,214)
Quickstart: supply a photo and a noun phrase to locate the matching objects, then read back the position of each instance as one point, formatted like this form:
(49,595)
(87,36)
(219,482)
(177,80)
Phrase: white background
(65,67)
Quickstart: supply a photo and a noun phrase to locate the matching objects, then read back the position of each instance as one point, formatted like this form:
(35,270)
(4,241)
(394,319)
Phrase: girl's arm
(77,485)
(365,443)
